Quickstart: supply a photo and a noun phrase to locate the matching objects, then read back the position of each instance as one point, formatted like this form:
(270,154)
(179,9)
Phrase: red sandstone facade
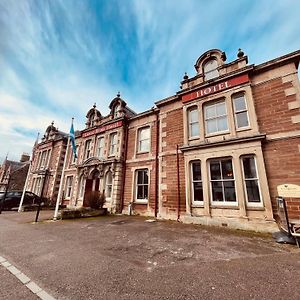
(217,152)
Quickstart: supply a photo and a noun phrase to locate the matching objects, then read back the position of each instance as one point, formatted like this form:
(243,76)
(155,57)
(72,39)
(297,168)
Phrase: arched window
(210,69)
(116,110)
(108,184)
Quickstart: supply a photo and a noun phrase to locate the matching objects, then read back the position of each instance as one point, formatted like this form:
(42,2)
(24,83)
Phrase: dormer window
(210,69)
(116,110)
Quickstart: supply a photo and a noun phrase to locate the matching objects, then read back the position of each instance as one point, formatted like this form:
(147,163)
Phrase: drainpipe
(124,163)
(156,165)
(178,184)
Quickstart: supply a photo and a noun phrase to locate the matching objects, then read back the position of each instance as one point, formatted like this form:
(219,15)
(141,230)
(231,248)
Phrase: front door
(88,189)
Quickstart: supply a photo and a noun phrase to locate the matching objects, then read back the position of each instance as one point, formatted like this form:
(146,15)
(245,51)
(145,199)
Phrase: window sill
(140,202)
(197,205)
(243,129)
(143,152)
(208,135)
(222,206)
(257,208)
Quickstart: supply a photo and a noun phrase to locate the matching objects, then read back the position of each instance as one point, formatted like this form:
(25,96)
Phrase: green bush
(95,199)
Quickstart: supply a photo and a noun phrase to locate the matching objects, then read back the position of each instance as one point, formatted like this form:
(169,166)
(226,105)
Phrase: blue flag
(72,138)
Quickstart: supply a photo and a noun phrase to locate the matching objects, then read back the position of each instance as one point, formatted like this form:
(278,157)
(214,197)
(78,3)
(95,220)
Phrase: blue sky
(57,58)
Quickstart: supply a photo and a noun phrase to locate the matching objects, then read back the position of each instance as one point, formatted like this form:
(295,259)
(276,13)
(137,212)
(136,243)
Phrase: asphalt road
(125,257)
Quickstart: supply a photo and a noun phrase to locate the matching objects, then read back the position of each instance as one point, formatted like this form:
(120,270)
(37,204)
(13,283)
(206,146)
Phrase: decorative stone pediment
(92,161)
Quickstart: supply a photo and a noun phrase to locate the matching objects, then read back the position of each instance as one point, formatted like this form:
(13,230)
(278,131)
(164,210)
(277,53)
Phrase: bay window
(222,181)
(196,182)
(252,190)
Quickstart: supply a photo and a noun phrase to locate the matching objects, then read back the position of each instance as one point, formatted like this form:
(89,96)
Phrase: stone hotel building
(218,152)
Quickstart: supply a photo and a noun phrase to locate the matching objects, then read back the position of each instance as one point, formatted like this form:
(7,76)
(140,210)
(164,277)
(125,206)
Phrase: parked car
(13,199)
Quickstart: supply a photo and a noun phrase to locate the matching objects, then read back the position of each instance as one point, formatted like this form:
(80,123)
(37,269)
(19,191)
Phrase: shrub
(95,199)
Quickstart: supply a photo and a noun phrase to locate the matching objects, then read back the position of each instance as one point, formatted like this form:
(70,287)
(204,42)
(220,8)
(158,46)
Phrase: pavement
(130,257)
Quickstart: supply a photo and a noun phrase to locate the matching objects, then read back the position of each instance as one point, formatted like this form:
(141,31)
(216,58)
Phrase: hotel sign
(102,129)
(211,89)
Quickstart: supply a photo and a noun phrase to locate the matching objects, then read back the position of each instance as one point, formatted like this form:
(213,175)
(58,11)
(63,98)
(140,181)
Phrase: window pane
(193,115)
(212,74)
(252,191)
(229,191)
(217,191)
(215,171)
(211,126)
(145,177)
(198,191)
(145,191)
(239,103)
(196,168)
(222,124)
(140,177)
(108,178)
(227,170)
(194,129)
(144,133)
(249,167)
(108,191)
(210,111)
(144,146)
(140,192)
(221,109)
(242,119)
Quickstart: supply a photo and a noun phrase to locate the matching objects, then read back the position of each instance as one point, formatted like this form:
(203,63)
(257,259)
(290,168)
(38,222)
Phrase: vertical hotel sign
(215,88)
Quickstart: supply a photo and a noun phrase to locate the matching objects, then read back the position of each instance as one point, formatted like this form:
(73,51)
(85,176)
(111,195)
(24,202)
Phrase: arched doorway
(91,185)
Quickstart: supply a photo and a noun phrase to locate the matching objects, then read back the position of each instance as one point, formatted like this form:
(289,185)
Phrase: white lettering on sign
(102,129)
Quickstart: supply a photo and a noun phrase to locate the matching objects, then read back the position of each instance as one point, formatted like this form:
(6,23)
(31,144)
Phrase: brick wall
(282,160)
(278,113)
(272,106)
(172,135)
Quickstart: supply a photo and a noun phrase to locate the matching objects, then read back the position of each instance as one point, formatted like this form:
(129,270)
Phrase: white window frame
(43,161)
(192,123)
(211,73)
(192,180)
(69,185)
(107,185)
(236,112)
(73,159)
(216,117)
(87,150)
(113,143)
(37,185)
(100,150)
(251,204)
(222,180)
(81,187)
(136,185)
(141,141)
(116,110)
